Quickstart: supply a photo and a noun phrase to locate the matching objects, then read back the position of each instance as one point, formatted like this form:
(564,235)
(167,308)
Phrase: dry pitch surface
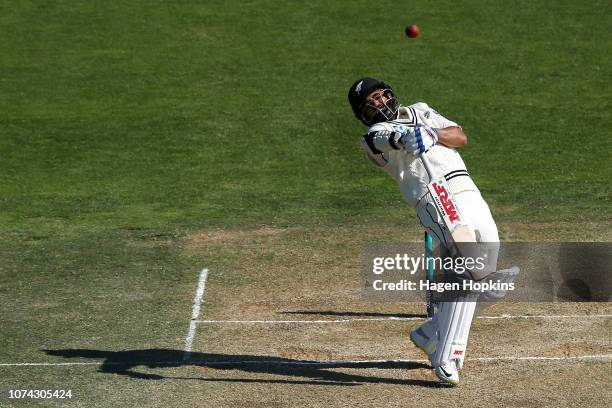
(298,334)
(281,323)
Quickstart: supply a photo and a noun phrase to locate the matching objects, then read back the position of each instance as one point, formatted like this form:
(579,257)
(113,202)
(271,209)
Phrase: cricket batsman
(396,138)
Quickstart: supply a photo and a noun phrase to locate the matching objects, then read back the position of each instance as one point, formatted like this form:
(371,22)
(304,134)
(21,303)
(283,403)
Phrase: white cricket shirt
(408,170)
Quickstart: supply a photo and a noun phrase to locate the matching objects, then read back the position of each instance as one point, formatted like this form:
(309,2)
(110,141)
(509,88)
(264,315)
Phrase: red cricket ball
(412,31)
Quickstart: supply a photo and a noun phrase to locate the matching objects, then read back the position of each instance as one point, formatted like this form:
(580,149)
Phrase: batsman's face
(376,102)
(377,98)
(379,106)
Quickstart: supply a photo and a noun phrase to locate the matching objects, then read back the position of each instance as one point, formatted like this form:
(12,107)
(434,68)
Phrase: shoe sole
(446,380)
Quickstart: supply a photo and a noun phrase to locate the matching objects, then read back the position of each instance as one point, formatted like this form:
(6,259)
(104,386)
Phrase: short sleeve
(430,117)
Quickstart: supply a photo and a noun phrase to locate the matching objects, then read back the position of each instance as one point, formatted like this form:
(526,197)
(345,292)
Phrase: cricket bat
(446,205)
(430,274)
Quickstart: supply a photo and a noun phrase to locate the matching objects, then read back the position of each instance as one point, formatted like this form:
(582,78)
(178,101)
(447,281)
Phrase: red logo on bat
(458,352)
(450,209)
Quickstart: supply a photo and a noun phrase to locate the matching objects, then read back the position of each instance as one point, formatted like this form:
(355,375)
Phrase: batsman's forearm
(452,136)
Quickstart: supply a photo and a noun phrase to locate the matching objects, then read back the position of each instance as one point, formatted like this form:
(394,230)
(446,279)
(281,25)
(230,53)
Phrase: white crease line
(348,362)
(598,316)
(601,357)
(308,321)
(195,313)
(544,358)
(378,319)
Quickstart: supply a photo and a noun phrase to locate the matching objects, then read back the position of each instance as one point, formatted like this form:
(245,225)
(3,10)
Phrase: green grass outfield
(127,127)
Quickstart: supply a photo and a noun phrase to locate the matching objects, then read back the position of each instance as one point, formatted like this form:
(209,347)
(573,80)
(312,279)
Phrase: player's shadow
(312,372)
(355,314)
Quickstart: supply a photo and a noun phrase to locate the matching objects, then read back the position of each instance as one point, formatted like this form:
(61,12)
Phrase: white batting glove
(394,138)
(420,139)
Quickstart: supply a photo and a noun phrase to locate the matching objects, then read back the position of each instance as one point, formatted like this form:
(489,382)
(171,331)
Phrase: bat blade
(449,210)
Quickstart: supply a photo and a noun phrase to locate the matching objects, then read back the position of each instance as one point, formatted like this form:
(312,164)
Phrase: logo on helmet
(358,87)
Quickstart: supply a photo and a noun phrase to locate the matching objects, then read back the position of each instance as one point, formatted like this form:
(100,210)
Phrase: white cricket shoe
(448,373)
